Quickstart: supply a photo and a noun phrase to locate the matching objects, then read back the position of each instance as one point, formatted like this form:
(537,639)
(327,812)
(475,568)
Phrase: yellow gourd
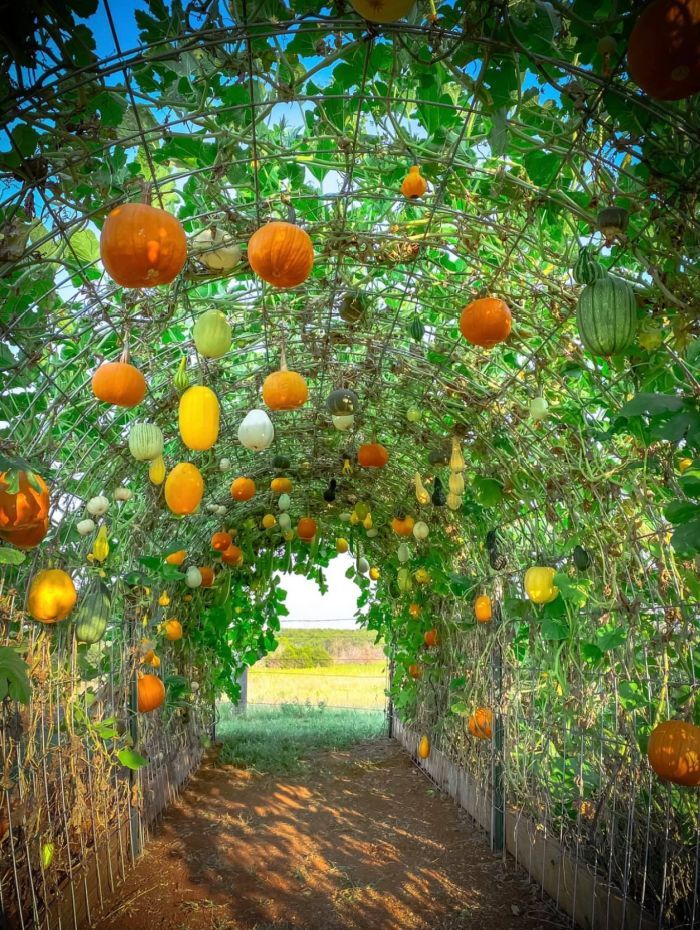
(341,545)
(367,522)
(156,470)
(539,585)
(456,482)
(456,458)
(454,501)
(422,496)
(423,747)
(199,418)
(100,548)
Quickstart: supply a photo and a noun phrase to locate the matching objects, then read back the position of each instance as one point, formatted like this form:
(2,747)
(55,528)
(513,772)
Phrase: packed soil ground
(362,840)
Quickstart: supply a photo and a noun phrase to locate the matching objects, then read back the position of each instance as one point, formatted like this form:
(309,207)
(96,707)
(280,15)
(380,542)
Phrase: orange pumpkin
(242,489)
(280,485)
(372,455)
(173,630)
(28,537)
(284,389)
(119,383)
(207,574)
(482,608)
(431,638)
(414,184)
(232,556)
(27,507)
(415,610)
(142,246)
(402,525)
(663,52)
(674,752)
(281,254)
(221,541)
(486,322)
(51,596)
(184,488)
(481,722)
(176,558)
(151,693)
(415,671)
(306,529)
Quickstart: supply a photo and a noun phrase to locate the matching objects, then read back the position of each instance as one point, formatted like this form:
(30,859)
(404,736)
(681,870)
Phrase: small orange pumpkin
(184,488)
(415,671)
(674,752)
(402,524)
(119,383)
(281,485)
(176,558)
(242,489)
(662,52)
(372,455)
(142,246)
(232,556)
(486,322)
(414,184)
(481,722)
(151,693)
(25,508)
(173,630)
(51,595)
(431,638)
(415,610)
(284,389)
(482,608)
(221,541)
(281,254)
(207,574)
(306,529)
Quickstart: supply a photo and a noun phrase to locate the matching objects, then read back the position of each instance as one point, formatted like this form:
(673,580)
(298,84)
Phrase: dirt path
(364,842)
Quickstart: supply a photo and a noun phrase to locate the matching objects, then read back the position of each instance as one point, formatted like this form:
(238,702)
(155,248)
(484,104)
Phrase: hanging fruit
(285,521)
(539,584)
(421,531)
(280,485)
(342,402)
(456,462)
(221,541)
(256,432)
(402,524)
(422,576)
(415,671)
(164,599)
(207,575)
(341,545)
(242,489)
(374,574)
(438,496)
(587,268)
(211,334)
(404,580)
(232,556)
(100,547)
(382,11)
(306,529)
(482,609)
(416,328)
(268,521)
(674,752)
(606,315)
(455,483)
(51,596)
(329,493)
(173,630)
(216,249)
(193,577)
(97,506)
(454,501)
(145,441)
(156,470)
(353,306)
(480,723)
(198,419)
(343,423)
(431,639)
(423,747)
(486,322)
(662,52)
(539,409)
(347,467)
(415,610)
(362,565)
(119,383)
(281,253)
(123,494)
(372,455)
(414,184)
(24,500)
(151,693)
(93,614)
(85,527)
(422,495)
(367,522)
(582,559)
(141,246)
(403,553)
(181,380)
(184,489)
(612,222)
(177,557)
(284,389)
(284,502)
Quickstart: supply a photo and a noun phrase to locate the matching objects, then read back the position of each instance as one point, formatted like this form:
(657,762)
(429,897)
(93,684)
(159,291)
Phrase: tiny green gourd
(353,306)
(181,379)
(606,314)
(416,329)
(587,268)
(93,614)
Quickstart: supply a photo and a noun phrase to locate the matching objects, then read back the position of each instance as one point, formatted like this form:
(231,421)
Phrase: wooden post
(242,705)
(498,807)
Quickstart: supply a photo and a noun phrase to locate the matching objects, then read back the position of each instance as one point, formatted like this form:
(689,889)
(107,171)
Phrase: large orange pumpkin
(481,723)
(142,246)
(242,489)
(284,389)
(674,752)
(26,507)
(281,254)
(184,488)
(232,556)
(306,529)
(119,383)
(372,455)
(221,541)
(51,596)
(663,53)
(486,322)
(151,693)
(28,537)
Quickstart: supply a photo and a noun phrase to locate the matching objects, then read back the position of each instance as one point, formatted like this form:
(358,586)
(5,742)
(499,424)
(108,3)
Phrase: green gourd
(212,334)
(582,559)
(416,329)
(587,268)
(145,442)
(353,307)
(606,314)
(93,614)
(181,380)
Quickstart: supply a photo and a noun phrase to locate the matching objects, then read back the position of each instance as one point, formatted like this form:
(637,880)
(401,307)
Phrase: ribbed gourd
(456,457)
(93,614)
(587,268)
(199,418)
(145,442)
(606,315)
(181,380)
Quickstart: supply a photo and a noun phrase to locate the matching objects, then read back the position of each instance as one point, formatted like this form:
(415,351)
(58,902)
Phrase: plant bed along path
(362,840)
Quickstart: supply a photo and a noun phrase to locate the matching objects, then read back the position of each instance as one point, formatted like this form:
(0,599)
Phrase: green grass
(280,739)
(349,685)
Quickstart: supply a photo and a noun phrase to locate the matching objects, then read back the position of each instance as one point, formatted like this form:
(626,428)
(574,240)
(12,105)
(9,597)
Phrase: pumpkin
(123,494)
(403,553)
(422,576)
(268,521)
(539,585)
(582,559)
(151,693)
(362,565)
(438,498)
(342,402)
(374,574)
(232,556)
(480,723)
(587,269)
(207,576)
(404,580)
(415,610)
(242,489)
(372,455)
(281,461)
(85,527)
(415,671)
(216,249)
(539,409)
(221,541)
(403,525)
(482,608)
(612,222)
(341,545)
(306,529)
(606,315)
(455,483)
(119,383)
(212,334)
(24,500)
(199,418)
(353,306)
(100,547)
(97,506)
(280,485)
(193,577)
(29,536)
(156,470)
(164,599)
(141,246)
(382,11)
(51,595)
(284,389)
(674,752)
(256,431)
(93,614)
(414,414)
(184,488)
(281,254)
(486,322)
(414,184)
(431,638)
(456,463)
(662,52)
(423,747)
(176,558)
(173,630)
(145,442)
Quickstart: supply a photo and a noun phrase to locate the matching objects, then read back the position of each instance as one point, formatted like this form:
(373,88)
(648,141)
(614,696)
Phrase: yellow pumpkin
(341,545)
(52,595)
(172,629)
(184,488)
(423,747)
(539,584)
(268,521)
(199,418)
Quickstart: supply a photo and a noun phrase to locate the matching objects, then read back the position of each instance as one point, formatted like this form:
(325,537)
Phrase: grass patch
(335,686)
(280,739)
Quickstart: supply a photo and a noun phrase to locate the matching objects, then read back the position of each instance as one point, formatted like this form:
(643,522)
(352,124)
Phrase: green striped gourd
(93,614)
(416,328)
(606,314)
(587,268)
(145,442)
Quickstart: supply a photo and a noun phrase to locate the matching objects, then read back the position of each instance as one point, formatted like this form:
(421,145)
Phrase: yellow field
(337,685)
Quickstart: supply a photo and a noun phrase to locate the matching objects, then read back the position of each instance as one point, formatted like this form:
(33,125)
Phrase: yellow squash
(199,418)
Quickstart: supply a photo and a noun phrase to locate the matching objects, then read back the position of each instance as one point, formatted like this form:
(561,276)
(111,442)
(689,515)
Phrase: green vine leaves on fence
(14,678)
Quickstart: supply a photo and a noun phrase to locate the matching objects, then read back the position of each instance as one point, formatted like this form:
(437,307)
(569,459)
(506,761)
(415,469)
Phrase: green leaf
(11,556)
(554,629)
(611,638)
(591,653)
(131,759)
(84,246)
(459,707)
(651,405)
(686,539)
(681,511)
(14,680)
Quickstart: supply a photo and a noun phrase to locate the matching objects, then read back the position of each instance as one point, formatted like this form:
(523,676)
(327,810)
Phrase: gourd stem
(124,357)
(146,192)
(291,213)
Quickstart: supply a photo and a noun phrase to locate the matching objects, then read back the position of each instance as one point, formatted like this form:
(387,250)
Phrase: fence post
(498,811)
(134,776)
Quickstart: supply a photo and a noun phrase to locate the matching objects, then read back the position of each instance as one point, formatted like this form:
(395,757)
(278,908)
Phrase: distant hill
(324,647)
